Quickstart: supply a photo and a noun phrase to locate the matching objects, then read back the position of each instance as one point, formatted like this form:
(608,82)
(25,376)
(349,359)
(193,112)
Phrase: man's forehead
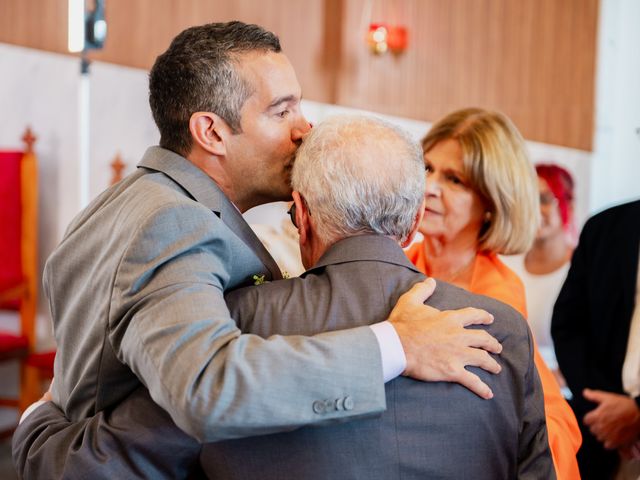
(271,75)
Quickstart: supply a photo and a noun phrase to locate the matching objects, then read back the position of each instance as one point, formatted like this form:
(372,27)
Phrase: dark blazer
(591,319)
(430,430)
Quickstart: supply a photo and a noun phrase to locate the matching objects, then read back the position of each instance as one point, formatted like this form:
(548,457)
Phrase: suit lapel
(205,191)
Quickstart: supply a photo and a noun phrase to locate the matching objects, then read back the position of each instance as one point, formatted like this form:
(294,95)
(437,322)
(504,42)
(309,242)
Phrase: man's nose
(300,129)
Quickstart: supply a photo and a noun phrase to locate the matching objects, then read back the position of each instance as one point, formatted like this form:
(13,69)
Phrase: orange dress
(494,279)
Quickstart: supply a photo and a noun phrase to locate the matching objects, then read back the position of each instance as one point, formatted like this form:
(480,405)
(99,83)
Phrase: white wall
(40,89)
(616,164)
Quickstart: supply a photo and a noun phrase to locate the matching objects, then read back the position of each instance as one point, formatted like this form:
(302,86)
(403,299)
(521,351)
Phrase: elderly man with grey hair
(358,198)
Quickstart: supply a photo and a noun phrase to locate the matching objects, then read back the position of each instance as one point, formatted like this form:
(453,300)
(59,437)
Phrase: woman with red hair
(544,267)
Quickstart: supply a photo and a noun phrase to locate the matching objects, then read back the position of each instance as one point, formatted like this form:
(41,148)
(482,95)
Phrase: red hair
(560,183)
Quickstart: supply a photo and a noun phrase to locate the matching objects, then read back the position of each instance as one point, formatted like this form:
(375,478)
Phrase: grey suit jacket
(136,295)
(436,430)
(430,430)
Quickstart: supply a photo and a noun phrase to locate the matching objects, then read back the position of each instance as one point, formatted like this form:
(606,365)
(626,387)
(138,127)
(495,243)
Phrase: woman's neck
(451,262)
(548,255)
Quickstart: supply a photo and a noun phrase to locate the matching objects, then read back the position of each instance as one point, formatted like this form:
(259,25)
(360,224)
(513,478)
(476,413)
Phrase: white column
(615,173)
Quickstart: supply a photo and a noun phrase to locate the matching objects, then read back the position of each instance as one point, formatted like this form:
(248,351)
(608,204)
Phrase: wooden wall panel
(34,23)
(140,30)
(137,38)
(532,59)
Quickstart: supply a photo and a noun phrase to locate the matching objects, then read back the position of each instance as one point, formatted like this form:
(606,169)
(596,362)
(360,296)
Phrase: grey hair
(360,175)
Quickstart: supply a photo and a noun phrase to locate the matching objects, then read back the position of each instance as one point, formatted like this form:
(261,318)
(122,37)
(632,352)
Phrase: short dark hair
(198,73)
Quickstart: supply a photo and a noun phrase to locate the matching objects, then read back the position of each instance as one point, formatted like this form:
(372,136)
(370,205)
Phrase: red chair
(19,276)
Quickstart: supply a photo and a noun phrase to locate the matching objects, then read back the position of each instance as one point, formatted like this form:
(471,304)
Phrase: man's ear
(414,226)
(209,131)
(302,218)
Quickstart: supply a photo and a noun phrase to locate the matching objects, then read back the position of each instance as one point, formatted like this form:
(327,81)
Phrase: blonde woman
(481,200)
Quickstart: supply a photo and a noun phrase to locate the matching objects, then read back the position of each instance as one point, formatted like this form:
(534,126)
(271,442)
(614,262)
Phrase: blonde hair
(498,168)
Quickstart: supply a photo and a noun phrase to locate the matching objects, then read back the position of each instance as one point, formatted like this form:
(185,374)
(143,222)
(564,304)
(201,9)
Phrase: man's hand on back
(437,345)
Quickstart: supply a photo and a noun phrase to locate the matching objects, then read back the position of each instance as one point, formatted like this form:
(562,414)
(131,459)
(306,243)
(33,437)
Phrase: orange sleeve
(562,427)
(494,279)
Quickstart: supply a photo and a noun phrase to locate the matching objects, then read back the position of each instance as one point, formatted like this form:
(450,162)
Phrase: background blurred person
(544,267)
(596,331)
(481,199)
(281,241)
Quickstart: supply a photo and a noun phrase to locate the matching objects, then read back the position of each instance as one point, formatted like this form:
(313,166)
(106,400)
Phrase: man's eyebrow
(284,99)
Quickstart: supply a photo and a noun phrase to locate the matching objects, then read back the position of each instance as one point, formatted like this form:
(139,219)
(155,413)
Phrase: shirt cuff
(394,361)
(30,409)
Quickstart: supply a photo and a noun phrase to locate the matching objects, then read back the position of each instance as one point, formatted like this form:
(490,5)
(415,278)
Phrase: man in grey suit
(358,196)
(136,286)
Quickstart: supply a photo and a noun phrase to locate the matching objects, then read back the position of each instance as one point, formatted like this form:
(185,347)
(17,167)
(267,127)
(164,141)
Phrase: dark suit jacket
(591,318)
(430,430)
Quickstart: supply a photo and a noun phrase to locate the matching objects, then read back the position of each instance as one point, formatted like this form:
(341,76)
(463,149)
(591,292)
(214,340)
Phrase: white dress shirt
(631,367)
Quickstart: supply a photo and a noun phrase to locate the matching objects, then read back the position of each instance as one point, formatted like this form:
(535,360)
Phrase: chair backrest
(11,276)
(19,234)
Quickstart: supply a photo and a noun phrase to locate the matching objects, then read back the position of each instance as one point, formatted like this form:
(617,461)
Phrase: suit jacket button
(348,403)
(338,404)
(318,406)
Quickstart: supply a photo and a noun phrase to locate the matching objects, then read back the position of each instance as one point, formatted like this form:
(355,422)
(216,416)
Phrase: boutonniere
(259,279)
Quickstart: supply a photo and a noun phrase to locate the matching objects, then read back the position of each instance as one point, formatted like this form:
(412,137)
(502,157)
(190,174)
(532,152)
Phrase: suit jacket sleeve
(534,458)
(106,445)
(570,313)
(169,323)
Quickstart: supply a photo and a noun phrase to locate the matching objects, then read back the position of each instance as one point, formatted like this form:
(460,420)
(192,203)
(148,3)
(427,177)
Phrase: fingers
(592,417)
(482,339)
(421,291)
(473,383)
(470,316)
(596,396)
(480,358)
(437,345)
(594,421)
